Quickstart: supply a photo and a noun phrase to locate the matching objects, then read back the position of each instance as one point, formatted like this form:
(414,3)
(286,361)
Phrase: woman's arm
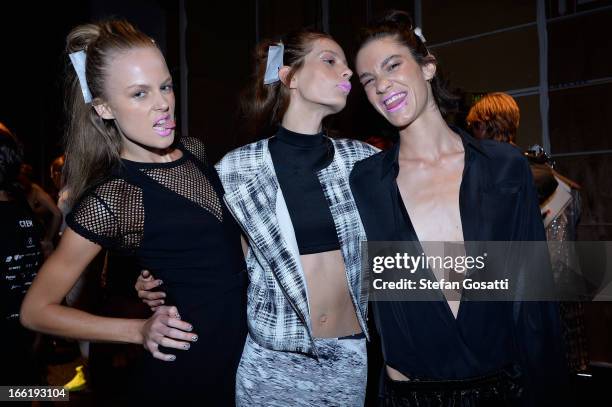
(41,309)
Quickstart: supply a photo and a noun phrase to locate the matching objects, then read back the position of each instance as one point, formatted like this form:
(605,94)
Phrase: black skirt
(502,388)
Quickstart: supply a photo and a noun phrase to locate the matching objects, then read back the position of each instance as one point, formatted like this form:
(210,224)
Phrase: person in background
(496,116)
(20,259)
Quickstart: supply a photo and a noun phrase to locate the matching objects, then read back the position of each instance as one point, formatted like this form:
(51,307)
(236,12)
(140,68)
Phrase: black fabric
(498,389)
(497,201)
(20,255)
(184,235)
(297,158)
(20,260)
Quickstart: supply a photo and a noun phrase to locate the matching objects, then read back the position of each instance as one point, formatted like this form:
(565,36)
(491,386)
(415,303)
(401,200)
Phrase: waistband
(360,335)
(503,384)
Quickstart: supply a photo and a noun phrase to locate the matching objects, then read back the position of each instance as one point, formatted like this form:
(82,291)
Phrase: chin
(337,106)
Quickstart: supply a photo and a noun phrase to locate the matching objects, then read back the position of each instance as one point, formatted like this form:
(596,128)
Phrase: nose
(347,73)
(161,103)
(382,85)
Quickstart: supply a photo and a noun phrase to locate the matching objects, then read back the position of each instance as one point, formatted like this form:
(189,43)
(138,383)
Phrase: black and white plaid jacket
(277,305)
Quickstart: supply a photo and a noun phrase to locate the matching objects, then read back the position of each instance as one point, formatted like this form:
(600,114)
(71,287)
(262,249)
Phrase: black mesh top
(171,218)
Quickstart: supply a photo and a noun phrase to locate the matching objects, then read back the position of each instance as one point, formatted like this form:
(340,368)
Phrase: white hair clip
(79,60)
(274,63)
(419,33)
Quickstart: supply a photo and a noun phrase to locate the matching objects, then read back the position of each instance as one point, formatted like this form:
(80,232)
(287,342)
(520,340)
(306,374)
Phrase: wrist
(135,331)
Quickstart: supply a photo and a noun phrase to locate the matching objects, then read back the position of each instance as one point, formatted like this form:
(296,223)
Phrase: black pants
(495,390)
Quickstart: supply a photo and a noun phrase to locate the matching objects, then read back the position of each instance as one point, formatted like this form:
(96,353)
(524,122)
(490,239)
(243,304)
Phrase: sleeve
(538,324)
(92,218)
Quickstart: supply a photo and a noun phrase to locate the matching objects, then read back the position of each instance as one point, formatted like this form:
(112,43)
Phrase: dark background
(481,46)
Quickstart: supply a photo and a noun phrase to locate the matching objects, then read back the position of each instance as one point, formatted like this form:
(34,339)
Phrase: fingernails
(190,328)
(177,316)
(186,346)
(171,358)
(160,282)
(194,338)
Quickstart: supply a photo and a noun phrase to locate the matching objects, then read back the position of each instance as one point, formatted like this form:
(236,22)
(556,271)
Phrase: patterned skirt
(268,377)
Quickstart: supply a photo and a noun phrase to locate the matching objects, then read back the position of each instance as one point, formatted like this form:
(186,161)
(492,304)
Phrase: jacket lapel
(255,204)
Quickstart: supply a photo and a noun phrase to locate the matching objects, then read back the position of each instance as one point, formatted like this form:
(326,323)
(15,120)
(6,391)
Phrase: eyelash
(141,94)
(391,68)
(329,61)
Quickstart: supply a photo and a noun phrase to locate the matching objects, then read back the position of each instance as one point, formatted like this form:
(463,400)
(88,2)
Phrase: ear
(103,110)
(429,68)
(283,74)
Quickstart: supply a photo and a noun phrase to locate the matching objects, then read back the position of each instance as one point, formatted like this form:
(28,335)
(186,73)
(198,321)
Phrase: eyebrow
(142,85)
(382,65)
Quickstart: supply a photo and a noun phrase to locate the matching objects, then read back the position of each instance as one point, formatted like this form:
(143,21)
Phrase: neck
(428,137)
(140,153)
(304,118)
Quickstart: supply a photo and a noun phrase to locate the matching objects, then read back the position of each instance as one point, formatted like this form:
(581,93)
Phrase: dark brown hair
(11,156)
(398,25)
(93,144)
(265,105)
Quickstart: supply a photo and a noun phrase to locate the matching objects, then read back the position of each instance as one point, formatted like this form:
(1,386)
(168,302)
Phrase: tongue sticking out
(167,124)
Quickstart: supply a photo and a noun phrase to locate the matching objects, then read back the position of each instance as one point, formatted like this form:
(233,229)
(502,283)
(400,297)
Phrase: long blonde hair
(93,144)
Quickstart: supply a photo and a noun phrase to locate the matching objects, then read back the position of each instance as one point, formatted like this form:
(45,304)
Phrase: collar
(390,160)
(300,140)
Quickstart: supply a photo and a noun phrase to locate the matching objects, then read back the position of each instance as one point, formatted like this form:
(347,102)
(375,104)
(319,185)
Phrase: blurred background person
(20,258)
(496,116)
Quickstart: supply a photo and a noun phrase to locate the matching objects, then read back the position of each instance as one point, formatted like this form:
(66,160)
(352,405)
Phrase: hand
(165,328)
(145,283)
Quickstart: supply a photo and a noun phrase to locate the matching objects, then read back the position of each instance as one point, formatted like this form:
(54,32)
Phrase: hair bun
(398,18)
(80,37)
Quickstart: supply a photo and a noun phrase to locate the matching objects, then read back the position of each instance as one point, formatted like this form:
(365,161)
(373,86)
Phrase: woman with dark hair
(139,193)
(439,184)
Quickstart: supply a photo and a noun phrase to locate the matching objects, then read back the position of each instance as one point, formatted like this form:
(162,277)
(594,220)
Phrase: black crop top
(297,158)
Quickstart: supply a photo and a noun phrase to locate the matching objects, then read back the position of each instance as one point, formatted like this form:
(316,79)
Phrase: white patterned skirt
(268,377)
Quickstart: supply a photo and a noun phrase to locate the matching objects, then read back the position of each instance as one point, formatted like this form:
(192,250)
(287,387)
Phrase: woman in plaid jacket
(290,193)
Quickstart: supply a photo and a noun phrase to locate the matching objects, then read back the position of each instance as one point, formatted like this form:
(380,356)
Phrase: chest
(430,195)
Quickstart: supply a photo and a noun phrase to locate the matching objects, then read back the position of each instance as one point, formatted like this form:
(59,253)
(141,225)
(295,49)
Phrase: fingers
(170,311)
(146,281)
(174,344)
(153,348)
(151,295)
(154,305)
(163,356)
(150,284)
(165,328)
